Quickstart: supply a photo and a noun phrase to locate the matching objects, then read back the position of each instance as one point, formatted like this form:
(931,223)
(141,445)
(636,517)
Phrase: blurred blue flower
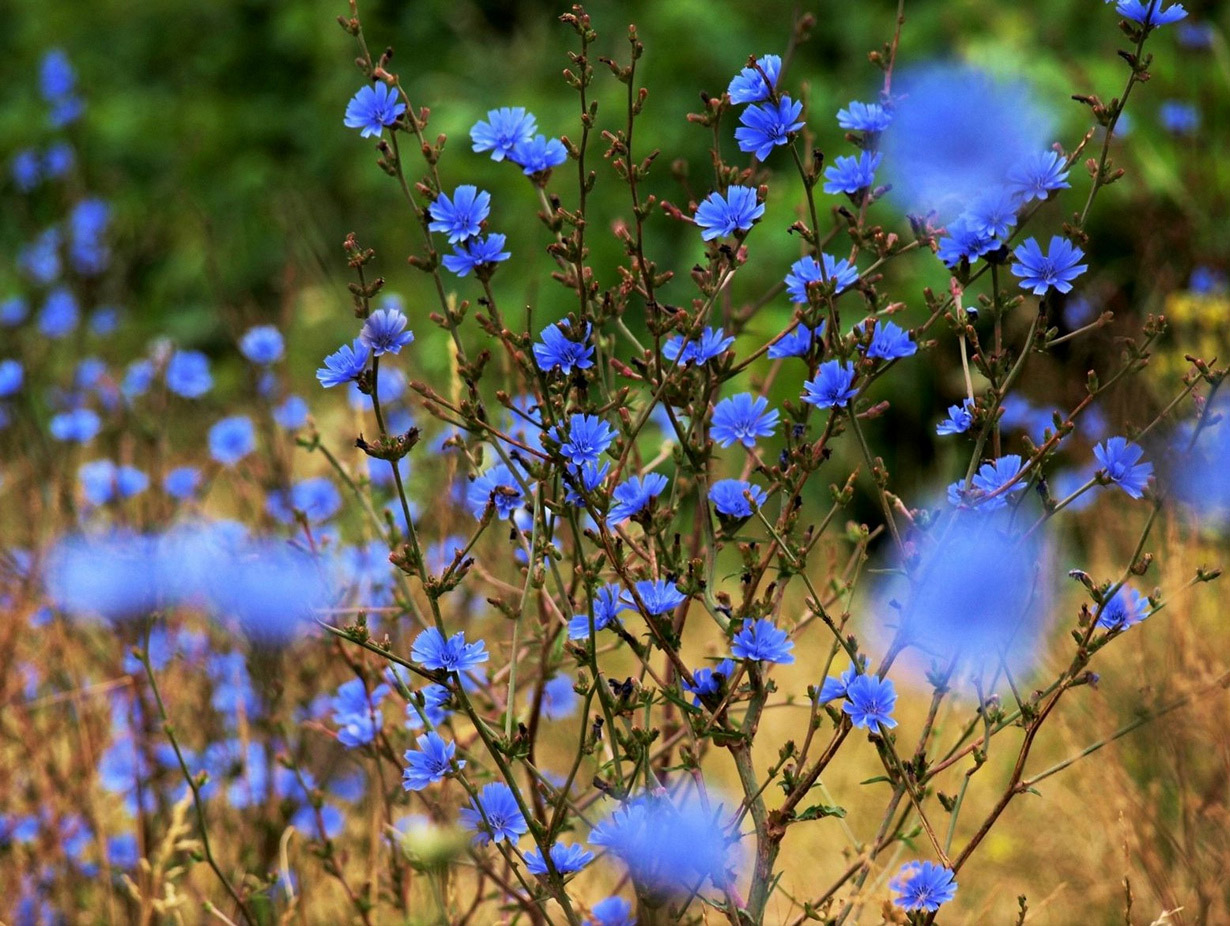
(27,170)
(503,130)
(555,350)
(750,86)
(58,160)
(613,911)
(712,343)
(434,698)
(344,364)
(87,222)
(372,108)
(833,385)
(761,641)
(1178,117)
(11,376)
(1055,269)
(13,311)
(566,859)
(764,126)
(720,215)
(559,698)
(477,252)
(871,118)
(870,701)
(232,439)
(182,482)
(262,345)
(40,259)
(356,711)
(729,497)
(852,174)
(102,481)
(123,851)
(1197,35)
(494,814)
(431,762)
(432,651)
(461,216)
(742,419)
(60,314)
(842,274)
(56,78)
(538,155)
(80,425)
(923,886)
(292,414)
(188,374)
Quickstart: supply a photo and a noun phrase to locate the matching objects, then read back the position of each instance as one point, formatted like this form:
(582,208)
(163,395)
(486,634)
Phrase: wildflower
(292,414)
(182,482)
(27,170)
(494,814)
(502,131)
(557,350)
(659,596)
(460,217)
(498,486)
(1037,176)
(890,342)
(713,342)
(959,419)
(188,374)
(316,499)
(103,481)
(13,311)
(632,495)
(262,345)
(606,604)
(80,426)
(993,214)
(797,343)
(232,439)
(742,418)
(1057,268)
(60,314)
(56,79)
(59,159)
(372,108)
(764,126)
(475,253)
(923,886)
(433,698)
(1118,458)
(587,438)
(722,215)
(763,642)
(87,250)
(345,364)
(1150,13)
(871,702)
(11,376)
(538,155)
(989,479)
(708,680)
(613,911)
(728,498)
(357,713)
(1178,117)
(1125,609)
(750,85)
(834,688)
(871,118)
(832,386)
(587,478)
(566,859)
(385,332)
(431,762)
(432,651)
(850,174)
(842,274)
(559,698)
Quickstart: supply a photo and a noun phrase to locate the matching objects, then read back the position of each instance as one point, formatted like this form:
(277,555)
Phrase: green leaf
(820,811)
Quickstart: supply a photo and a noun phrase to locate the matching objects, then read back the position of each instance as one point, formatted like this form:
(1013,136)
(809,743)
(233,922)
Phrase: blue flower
(317,499)
(434,698)
(891,342)
(870,703)
(59,159)
(1178,117)
(764,126)
(713,342)
(586,477)
(232,439)
(1037,175)
(832,386)
(357,713)
(607,605)
(1119,462)
(432,651)
(13,311)
(539,154)
(103,482)
(59,316)
(842,274)
(385,332)
(749,86)
(87,250)
(476,253)
(1197,35)
(993,215)
(864,117)
(372,108)
(708,680)
(557,350)
(963,242)
(586,439)
(345,364)
(559,698)
(494,814)
(11,376)
(188,374)
(498,486)
(462,216)
(850,174)
(27,170)
(742,419)
(1057,268)
(834,688)
(728,498)
(292,413)
(632,495)
(722,215)
(566,859)
(1150,12)
(1127,608)
(659,596)
(797,343)
(504,129)
(182,482)
(960,417)
(763,642)
(989,479)
(431,762)
(262,345)
(56,79)
(80,426)
(923,886)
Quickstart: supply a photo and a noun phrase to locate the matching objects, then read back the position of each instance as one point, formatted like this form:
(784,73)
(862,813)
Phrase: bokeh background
(214,130)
